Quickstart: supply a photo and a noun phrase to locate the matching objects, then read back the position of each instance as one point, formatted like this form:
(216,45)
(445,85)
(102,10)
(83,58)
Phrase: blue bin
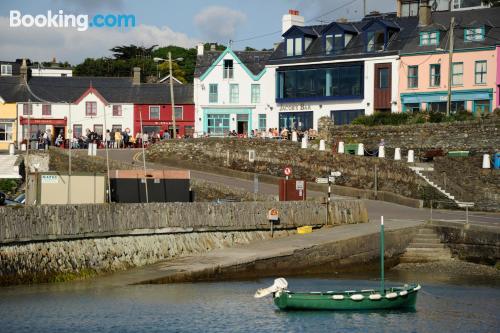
(496,161)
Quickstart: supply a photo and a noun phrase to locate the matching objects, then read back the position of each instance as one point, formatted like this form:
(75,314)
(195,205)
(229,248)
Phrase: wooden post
(450,65)
(382,283)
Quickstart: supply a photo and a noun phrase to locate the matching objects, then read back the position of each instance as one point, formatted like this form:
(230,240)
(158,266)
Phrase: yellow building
(8,124)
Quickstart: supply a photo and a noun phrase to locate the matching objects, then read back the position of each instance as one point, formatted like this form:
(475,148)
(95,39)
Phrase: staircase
(425,247)
(419,170)
(9,167)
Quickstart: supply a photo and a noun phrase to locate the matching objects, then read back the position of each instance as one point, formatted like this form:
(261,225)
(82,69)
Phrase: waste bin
(11,149)
(496,161)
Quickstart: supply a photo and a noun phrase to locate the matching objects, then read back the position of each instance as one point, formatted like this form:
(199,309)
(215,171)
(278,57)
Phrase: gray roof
(114,90)
(255,61)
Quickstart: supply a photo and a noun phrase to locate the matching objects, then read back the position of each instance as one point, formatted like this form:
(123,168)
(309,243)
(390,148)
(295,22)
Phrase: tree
(492,3)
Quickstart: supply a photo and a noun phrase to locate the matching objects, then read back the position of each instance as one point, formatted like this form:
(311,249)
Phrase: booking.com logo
(60,20)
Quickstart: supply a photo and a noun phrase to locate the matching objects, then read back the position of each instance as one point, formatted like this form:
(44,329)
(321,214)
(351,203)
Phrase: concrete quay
(336,247)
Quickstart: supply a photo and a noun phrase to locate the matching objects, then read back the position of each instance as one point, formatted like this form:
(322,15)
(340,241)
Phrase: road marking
(136,156)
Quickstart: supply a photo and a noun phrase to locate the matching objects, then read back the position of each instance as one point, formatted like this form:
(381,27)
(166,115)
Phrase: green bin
(351,148)
(458,153)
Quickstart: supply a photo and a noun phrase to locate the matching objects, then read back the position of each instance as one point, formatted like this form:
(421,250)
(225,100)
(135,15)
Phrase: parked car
(8,202)
(21,198)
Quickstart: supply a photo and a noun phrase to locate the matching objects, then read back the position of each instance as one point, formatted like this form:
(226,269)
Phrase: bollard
(294,136)
(381,151)
(90,149)
(322,145)
(11,149)
(486,161)
(397,154)
(94,149)
(23,147)
(411,156)
(304,142)
(341,147)
(361,150)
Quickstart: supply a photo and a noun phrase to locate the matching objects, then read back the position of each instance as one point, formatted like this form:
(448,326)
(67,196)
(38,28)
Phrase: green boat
(403,297)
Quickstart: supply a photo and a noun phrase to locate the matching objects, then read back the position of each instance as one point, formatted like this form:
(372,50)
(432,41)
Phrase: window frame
(120,110)
(255,93)
(93,111)
(484,75)
(387,71)
(27,109)
(234,96)
(159,111)
(432,77)
(427,36)
(228,71)
(4,71)
(46,110)
(8,135)
(470,34)
(262,119)
(176,108)
(211,94)
(101,126)
(410,77)
(454,74)
(75,131)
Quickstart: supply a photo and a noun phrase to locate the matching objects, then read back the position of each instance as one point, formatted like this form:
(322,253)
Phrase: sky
(255,23)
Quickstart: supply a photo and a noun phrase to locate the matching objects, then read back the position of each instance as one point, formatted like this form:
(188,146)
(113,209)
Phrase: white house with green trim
(233,91)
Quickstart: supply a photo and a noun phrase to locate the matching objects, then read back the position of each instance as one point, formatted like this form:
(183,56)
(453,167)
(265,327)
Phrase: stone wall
(482,135)
(271,157)
(466,179)
(59,222)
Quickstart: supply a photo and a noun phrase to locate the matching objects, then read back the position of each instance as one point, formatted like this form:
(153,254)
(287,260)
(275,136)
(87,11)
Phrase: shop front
(34,128)
(220,122)
(476,101)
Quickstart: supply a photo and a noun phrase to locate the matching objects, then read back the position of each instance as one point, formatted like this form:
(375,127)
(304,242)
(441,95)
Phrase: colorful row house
(424,74)
(31,106)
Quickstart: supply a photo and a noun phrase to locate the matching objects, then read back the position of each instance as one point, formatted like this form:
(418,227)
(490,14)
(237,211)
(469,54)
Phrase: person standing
(118,139)
(107,138)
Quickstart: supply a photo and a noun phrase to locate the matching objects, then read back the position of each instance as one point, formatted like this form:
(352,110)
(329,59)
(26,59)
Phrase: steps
(9,167)
(418,171)
(426,246)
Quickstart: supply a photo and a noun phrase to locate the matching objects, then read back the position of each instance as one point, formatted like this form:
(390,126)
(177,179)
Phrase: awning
(442,96)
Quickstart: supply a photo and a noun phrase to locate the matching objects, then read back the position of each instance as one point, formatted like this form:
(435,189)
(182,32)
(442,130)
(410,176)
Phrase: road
(375,208)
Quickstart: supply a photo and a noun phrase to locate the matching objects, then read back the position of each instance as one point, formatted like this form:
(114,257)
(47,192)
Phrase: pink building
(425,65)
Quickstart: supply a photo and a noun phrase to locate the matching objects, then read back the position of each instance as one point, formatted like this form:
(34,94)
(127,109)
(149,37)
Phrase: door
(383,84)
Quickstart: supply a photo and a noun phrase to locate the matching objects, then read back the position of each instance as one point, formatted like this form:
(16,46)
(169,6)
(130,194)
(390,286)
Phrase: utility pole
(107,153)
(450,65)
(70,142)
(364,8)
(144,154)
(28,142)
(172,95)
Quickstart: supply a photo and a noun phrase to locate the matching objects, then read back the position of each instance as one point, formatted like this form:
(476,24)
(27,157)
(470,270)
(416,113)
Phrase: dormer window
(376,41)
(298,40)
(298,46)
(294,46)
(228,69)
(474,34)
(378,33)
(6,70)
(429,38)
(335,43)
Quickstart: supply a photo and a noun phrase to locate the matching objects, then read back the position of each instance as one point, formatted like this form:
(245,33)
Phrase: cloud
(42,44)
(90,5)
(219,23)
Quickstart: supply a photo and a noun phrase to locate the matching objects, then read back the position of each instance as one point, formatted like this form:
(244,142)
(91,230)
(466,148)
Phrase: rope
(368,153)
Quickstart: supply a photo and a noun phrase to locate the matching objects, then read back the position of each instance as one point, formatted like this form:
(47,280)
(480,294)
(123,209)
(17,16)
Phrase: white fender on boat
(417,288)
(338,297)
(391,295)
(357,297)
(375,297)
(403,293)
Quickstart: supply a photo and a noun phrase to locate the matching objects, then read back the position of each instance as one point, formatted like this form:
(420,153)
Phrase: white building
(51,71)
(339,70)
(233,91)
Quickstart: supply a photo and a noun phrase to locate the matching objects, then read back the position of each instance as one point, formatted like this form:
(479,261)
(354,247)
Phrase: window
(289,47)
(307,42)
(115,128)
(474,34)
(344,117)
(6,70)
(376,41)
(412,107)
(217,124)
(262,122)
(457,78)
(409,9)
(340,81)
(154,112)
(91,109)
(435,72)
(412,76)
(437,107)
(98,129)
(27,109)
(234,93)
(383,82)
(457,106)
(255,98)
(77,131)
(179,112)
(481,107)
(298,46)
(429,38)
(296,120)
(329,44)
(458,4)
(117,111)
(213,93)
(46,110)
(334,43)
(5,131)
(481,69)
(228,69)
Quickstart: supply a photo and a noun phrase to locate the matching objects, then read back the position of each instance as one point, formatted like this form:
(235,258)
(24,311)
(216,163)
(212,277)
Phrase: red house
(153,107)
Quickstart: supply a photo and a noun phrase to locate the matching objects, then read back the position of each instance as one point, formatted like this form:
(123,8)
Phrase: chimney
(342,20)
(212,47)
(291,19)
(137,76)
(24,71)
(398,8)
(200,49)
(424,13)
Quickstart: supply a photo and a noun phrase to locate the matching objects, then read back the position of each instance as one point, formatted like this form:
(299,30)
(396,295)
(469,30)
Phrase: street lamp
(156,59)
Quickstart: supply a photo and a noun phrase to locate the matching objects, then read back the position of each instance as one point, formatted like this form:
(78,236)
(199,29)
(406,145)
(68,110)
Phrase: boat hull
(324,301)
